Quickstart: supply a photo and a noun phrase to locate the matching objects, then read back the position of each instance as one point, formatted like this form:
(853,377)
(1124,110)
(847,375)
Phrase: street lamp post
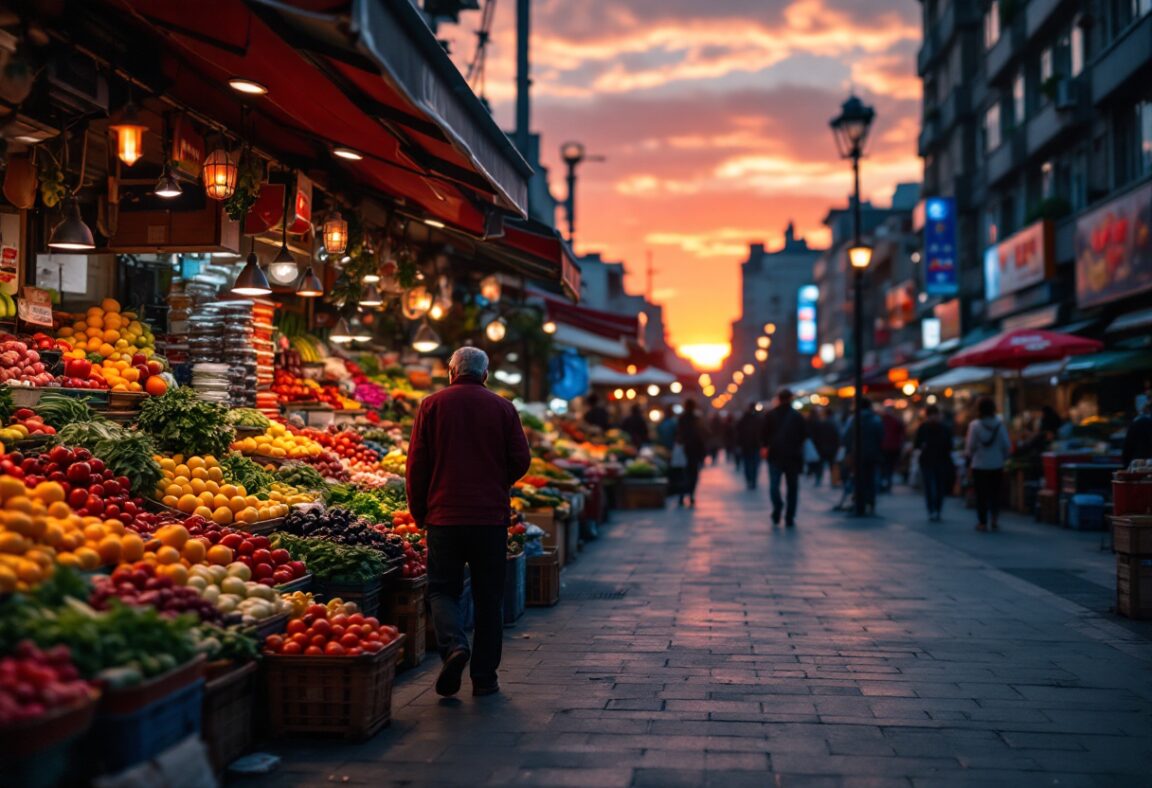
(573,154)
(851,129)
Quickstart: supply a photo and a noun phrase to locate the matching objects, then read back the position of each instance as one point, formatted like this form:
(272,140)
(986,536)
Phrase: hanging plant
(406,267)
(52,188)
(249,178)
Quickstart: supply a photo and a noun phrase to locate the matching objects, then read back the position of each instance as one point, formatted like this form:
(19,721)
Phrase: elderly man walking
(466,452)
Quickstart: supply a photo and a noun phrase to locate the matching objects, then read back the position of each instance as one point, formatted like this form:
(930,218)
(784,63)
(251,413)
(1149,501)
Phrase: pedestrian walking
(1138,439)
(731,442)
(784,434)
(891,448)
(666,430)
(467,450)
(596,414)
(988,449)
(636,427)
(826,438)
(714,438)
(749,436)
(865,464)
(692,435)
(937,471)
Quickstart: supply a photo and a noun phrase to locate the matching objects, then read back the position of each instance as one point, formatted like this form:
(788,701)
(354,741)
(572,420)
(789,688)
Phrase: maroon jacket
(467,451)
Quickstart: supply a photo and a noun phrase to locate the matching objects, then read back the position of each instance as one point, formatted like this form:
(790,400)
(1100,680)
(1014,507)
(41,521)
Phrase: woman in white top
(987,448)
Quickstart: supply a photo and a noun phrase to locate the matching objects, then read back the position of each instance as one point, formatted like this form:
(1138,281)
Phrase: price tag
(35,307)
(9,270)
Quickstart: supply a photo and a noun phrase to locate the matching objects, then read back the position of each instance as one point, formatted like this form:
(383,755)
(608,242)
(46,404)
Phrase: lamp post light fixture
(549,327)
(573,153)
(850,129)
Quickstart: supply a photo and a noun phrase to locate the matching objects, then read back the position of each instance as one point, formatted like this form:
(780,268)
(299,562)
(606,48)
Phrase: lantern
(416,302)
(549,327)
(129,134)
(219,174)
(335,233)
(310,285)
(496,330)
(491,288)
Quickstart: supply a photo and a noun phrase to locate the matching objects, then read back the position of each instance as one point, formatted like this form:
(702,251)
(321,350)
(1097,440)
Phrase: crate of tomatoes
(331,673)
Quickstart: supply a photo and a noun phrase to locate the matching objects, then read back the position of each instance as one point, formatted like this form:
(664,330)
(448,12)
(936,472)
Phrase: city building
(1038,124)
(770,284)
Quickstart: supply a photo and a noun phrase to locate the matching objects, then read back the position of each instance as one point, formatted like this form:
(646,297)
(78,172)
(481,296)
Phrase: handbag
(810,453)
(679,457)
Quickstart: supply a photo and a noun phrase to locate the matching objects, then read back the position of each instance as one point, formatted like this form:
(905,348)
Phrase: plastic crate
(227,715)
(366,595)
(38,754)
(542,580)
(1086,512)
(123,740)
(405,605)
(342,696)
(514,579)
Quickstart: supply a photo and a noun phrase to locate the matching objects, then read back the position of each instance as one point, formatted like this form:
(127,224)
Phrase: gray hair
(469,361)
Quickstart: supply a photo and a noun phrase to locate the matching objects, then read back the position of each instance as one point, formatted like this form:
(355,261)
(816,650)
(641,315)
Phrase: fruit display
(196,485)
(395,461)
(138,585)
(25,423)
(328,465)
(225,546)
(279,442)
(20,365)
(179,421)
(318,633)
(89,486)
(301,476)
(107,329)
(341,526)
(36,682)
(248,417)
(126,453)
(327,560)
(348,446)
(379,504)
(230,591)
(292,388)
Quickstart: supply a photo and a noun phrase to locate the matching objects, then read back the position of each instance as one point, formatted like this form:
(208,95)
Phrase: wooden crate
(542,580)
(555,530)
(643,493)
(1048,507)
(226,725)
(514,581)
(1132,535)
(1134,586)
(405,604)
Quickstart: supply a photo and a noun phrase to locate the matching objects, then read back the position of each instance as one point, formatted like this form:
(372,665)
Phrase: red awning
(539,244)
(315,101)
(1023,347)
(605,324)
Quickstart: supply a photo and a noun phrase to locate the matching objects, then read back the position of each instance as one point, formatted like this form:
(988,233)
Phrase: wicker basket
(341,696)
(227,717)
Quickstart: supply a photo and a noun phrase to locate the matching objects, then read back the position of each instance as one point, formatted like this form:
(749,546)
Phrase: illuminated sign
(930,333)
(806,319)
(939,256)
(1021,260)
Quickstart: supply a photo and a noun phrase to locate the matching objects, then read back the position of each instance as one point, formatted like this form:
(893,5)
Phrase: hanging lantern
(283,269)
(360,332)
(251,281)
(491,288)
(129,134)
(416,302)
(341,333)
(370,296)
(219,174)
(310,285)
(496,330)
(426,340)
(335,233)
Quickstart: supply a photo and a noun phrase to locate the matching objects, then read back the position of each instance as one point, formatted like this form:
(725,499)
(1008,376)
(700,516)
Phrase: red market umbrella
(1022,347)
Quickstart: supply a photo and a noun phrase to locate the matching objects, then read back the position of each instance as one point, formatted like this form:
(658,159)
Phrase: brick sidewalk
(706,648)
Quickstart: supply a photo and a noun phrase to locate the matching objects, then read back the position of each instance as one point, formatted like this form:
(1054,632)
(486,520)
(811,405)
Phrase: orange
(13,543)
(131,374)
(68,559)
(167,555)
(174,535)
(49,492)
(220,500)
(156,386)
(248,515)
(95,532)
(195,551)
(222,516)
(109,305)
(111,551)
(195,462)
(10,487)
(111,336)
(89,558)
(203,511)
(237,504)
(171,501)
(187,503)
(198,486)
(131,548)
(199,474)
(207,499)
(177,573)
(219,554)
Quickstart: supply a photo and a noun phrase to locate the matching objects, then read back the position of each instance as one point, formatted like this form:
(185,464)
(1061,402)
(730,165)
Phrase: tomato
(313,651)
(356,618)
(366,629)
(322,627)
(300,638)
(373,646)
(232,540)
(319,611)
(262,556)
(372,621)
(296,625)
(340,620)
(318,640)
(274,642)
(349,641)
(355,651)
(334,650)
(292,647)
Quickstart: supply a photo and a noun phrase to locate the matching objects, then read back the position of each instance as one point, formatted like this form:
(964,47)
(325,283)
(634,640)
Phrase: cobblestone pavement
(706,648)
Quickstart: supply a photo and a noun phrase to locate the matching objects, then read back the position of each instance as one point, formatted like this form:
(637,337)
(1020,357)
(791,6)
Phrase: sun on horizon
(706,357)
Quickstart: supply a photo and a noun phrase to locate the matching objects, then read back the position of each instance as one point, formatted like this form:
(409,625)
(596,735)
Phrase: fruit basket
(365,594)
(344,696)
(302,583)
(125,400)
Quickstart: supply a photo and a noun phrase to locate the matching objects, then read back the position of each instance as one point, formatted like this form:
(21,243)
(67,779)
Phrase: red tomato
(366,629)
(372,621)
(274,642)
(322,627)
(355,651)
(373,646)
(338,632)
(300,638)
(340,620)
(356,618)
(292,647)
(349,641)
(319,611)
(318,640)
(334,650)
(313,651)
(296,625)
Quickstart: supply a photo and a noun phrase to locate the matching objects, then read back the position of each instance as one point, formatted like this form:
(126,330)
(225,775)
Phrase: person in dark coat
(466,452)
(784,434)
(1138,439)
(748,440)
(865,466)
(891,447)
(938,472)
(596,414)
(826,438)
(692,435)
(636,426)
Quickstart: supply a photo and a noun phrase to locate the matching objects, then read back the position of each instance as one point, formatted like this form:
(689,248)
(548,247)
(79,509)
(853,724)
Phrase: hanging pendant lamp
(370,296)
(252,281)
(129,130)
(341,333)
(168,187)
(219,174)
(72,234)
(335,233)
(426,340)
(310,285)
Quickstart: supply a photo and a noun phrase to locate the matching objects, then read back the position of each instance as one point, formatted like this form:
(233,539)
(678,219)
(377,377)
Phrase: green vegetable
(248,417)
(60,411)
(330,561)
(241,470)
(530,421)
(301,475)
(640,469)
(378,504)
(6,404)
(221,643)
(181,422)
(132,455)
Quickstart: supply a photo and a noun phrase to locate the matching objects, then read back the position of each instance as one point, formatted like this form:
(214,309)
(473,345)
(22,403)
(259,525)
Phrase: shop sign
(35,307)
(1021,260)
(948,313)
(301,218)
(1114,249)
(900,303)
(930,333)
(187,146)
(806,320)
(939,257)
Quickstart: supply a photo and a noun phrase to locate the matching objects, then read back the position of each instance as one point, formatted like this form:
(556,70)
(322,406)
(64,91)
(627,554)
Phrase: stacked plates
(211,382)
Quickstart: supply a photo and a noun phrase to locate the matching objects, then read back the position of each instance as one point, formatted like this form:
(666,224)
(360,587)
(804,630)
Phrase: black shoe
(480,690)
(775,518)
(448,682)
(790,524)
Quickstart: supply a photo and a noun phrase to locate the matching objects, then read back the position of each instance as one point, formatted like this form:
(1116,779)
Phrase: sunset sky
(713,119)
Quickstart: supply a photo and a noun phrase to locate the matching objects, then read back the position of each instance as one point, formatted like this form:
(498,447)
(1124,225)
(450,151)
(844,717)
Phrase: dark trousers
(866,483)
(483,549)
(791,476)
(935,478)
(888,462)
(987,484)
(751,461)
(816,471)
(692,477)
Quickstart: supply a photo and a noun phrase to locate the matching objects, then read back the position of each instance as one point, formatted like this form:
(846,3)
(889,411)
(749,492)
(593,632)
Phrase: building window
(1018,111)
(1132,139)
(992,24)
(992,136)
(1144,113)
(1047,179)
(1046,65)
(1076,48)
(1078,181)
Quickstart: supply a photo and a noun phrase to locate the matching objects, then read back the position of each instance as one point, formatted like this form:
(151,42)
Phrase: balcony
(1128,56)
(1068,111)
(954,109)
(929,133)
(1006,51)
(1038,13)
(956,15)
(1006,159)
